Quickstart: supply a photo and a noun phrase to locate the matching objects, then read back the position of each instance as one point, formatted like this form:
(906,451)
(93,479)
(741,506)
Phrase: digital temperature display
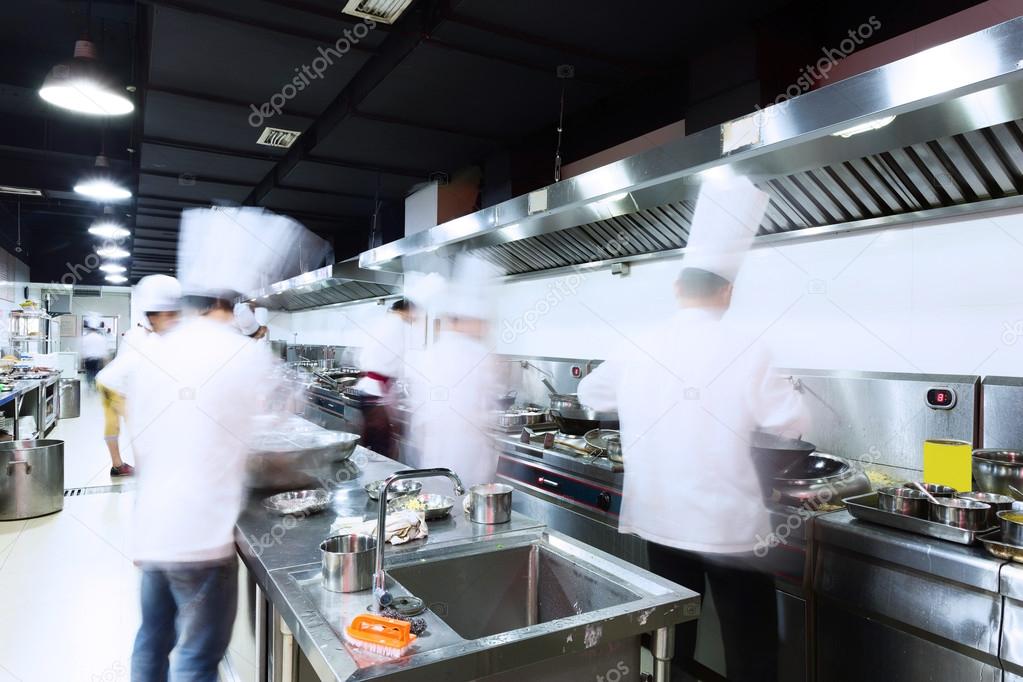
(941,398)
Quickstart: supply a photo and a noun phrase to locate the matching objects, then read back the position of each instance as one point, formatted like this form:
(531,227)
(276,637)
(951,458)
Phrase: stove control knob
(604,501)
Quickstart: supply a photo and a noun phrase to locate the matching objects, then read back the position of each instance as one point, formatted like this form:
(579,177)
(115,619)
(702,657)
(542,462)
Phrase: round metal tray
(298,502)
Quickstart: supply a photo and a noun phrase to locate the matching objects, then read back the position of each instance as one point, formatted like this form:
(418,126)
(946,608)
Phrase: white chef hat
(245,319)
(423,289)
(92,321)
(155,294)
(469,292)
(224,252)
(727,217)
(262,316)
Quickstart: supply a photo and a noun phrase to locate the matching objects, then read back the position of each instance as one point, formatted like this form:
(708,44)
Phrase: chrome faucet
(380,594)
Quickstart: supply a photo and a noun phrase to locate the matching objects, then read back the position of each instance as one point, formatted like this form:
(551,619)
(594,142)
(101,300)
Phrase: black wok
(774,455)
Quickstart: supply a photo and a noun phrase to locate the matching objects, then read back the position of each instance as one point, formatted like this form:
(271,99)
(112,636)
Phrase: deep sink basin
(500,590)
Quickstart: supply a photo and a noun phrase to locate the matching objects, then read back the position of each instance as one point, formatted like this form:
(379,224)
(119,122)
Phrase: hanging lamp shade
(82,85)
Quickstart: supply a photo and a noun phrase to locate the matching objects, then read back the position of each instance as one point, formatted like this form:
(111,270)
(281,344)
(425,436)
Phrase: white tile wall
(936,297)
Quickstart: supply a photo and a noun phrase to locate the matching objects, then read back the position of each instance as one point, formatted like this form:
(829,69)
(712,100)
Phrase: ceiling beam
(397,120)
(632,65)
(236,183)
(184,145)
(217,99)
(319,10)
(221,15)
(538,67)
(393,51)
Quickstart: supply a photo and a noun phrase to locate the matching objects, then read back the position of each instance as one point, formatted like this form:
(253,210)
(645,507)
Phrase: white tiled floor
(68,591)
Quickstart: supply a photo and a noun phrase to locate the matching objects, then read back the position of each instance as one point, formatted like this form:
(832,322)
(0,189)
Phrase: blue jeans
(190,610)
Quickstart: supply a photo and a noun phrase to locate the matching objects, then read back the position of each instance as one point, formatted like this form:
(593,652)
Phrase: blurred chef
(157,302)
(382,364)
(246,322)
(190,407)
(457,380)
(688,394)
(95,349)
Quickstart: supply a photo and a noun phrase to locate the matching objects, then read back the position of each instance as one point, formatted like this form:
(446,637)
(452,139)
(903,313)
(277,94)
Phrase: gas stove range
(549,440)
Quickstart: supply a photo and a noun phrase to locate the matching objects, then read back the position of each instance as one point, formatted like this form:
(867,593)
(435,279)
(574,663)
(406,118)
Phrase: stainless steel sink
(506,589)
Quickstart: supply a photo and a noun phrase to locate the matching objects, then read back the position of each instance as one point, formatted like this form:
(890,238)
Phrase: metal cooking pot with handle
(31,478)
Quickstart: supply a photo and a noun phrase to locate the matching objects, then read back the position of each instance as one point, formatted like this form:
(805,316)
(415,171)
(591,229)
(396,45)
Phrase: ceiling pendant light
(101,186)
(116,279)
(113,252)
(108,229)
(83,86)
(112,268)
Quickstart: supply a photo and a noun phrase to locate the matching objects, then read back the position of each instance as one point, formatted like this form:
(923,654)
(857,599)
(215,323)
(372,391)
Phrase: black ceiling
(455,83)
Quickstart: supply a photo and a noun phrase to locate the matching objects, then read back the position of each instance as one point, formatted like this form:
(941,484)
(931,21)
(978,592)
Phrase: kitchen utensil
(777,452)
(606,441)
(904,501)
(933,488)
(515,419)
(578,420)
(922,488)
(819,479)
(996,469)
(489,503)
(280,460)
(506,401)
(997,547)
(382,636)
(298,502)
(994,500)
(432,505)
(31,478)
(865,508)
(949,462)
(399,489)
(347,562)
(1011,524)
(965,514)
(1015,491)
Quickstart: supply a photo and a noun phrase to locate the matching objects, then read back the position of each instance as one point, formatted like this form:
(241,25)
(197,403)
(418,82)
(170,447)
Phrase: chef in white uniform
(457,381)
(246,322)
(382,363)
(190,407)
(688,394)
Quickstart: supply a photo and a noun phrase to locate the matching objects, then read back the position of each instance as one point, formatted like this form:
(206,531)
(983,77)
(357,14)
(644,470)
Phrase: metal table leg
(662,646)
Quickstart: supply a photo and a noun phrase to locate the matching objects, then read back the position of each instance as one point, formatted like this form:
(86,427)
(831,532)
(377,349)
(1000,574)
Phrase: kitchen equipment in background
(949,462)
(70,398)
(1010,523)
(608,442)
(994,500)
(905,501)
(31,478)
(398,489)
(819,481)
(961,513)
(866,508)
(932,488)
(996,470)
(506,401)
(347,562)
(513,419)
(489,503)
(298,502)
(281,461)
(433,506)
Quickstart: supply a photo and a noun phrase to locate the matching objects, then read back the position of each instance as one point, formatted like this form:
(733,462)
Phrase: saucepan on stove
(607,442)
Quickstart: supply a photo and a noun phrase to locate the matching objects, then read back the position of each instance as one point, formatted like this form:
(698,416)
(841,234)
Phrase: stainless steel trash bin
(31,478)
(70,398)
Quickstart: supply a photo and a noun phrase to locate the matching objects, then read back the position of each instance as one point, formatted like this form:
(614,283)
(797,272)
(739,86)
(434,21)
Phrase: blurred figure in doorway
(94,348)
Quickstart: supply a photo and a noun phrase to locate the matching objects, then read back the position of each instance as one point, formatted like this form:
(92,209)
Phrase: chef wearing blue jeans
(191,399)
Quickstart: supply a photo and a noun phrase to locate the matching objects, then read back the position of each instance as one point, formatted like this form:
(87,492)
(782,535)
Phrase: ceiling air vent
(278,137)
(385,11)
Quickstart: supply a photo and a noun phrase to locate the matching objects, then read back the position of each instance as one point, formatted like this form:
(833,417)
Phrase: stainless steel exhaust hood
(343,282)
(942,135)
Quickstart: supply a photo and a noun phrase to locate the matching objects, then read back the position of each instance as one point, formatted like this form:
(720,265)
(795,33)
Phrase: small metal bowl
(905,501)
(298,502)
(994,500)
(399,489)
(432,505)
(933,489)
(1011,524)
(965,514)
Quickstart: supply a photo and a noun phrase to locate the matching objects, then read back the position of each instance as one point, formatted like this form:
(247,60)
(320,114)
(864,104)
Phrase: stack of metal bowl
(998,471)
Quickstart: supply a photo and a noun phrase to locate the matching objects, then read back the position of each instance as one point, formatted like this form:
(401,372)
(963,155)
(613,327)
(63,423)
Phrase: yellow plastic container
(949,462)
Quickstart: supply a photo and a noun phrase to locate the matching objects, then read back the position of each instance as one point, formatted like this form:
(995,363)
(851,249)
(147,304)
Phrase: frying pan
(774,455)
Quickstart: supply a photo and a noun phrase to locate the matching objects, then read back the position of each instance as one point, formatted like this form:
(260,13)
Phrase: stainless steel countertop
(284,558)
(23,386)
(969,565)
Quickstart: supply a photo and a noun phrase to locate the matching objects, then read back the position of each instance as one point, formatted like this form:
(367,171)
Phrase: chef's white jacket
(94,345)
(452,388)
(688,394)
(383,353)
(114,375)
(190,402)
